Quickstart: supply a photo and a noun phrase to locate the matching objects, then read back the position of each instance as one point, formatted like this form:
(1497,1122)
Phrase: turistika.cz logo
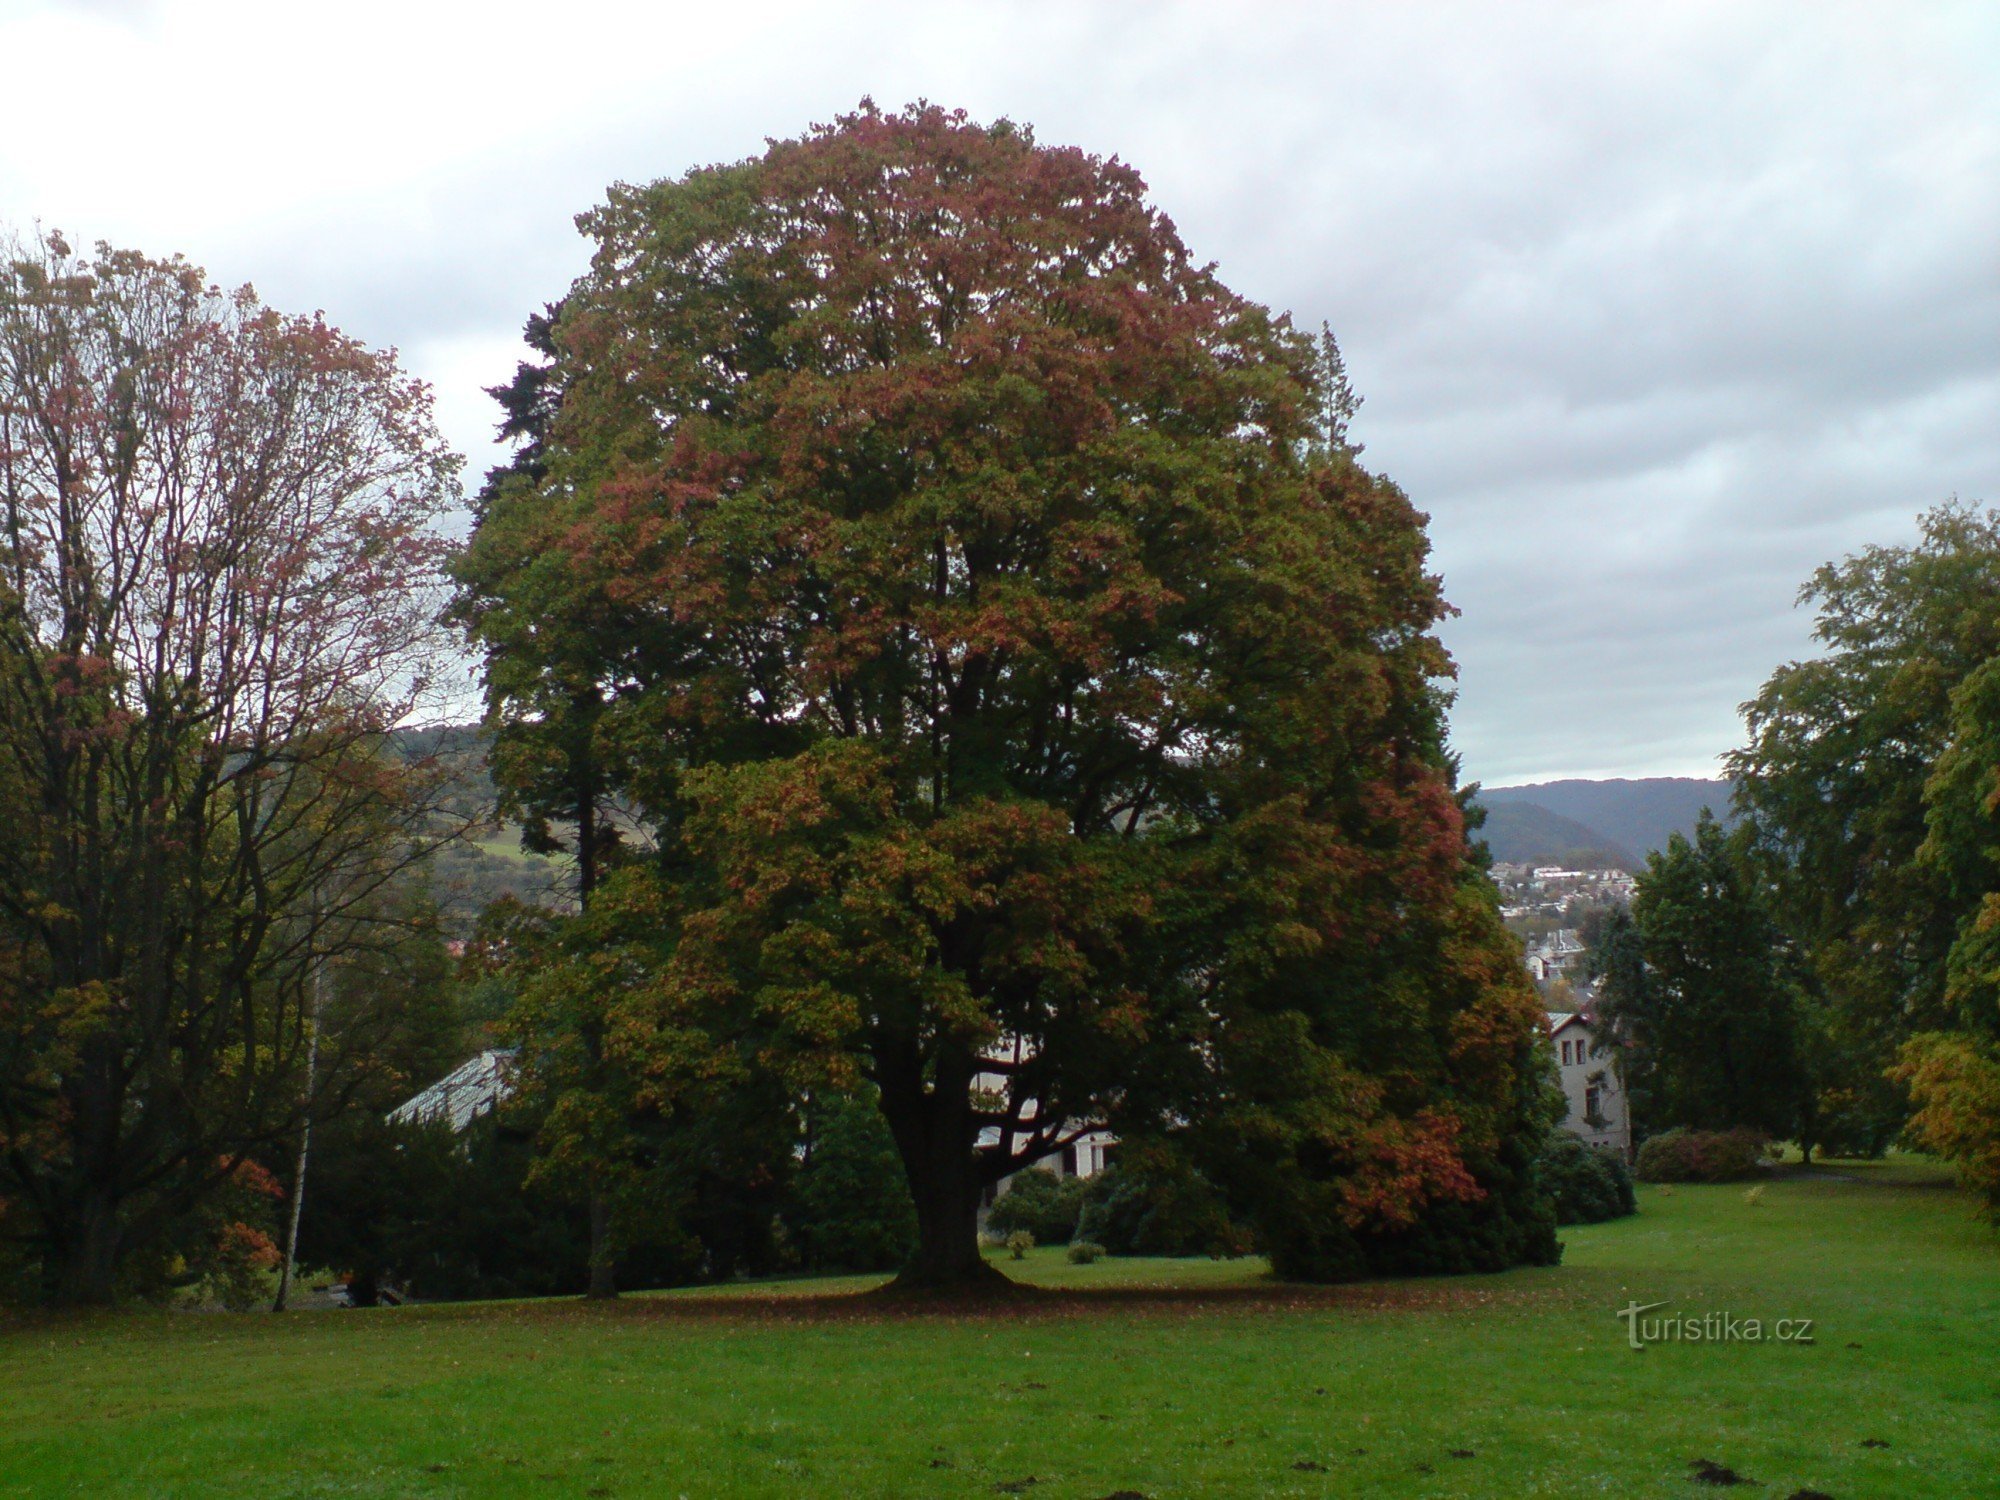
(1708,1328)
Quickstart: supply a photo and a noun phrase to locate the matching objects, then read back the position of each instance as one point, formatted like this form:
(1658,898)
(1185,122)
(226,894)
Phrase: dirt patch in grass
(1708,1471)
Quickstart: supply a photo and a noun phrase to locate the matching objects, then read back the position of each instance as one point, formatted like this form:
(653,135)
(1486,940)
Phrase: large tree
(1035,706)
(1697,990)
(1864,790)
(218,589)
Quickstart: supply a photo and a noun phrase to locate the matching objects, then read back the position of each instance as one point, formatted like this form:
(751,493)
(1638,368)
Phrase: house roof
(463,1094)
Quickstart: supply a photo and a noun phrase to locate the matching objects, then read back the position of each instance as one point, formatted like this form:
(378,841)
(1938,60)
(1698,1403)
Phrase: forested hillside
(1618,821)
(1524,833)
(488,862)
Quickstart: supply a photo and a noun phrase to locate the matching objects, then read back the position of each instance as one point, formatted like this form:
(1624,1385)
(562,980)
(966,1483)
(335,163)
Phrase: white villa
(1598,1114)
(1088,1152)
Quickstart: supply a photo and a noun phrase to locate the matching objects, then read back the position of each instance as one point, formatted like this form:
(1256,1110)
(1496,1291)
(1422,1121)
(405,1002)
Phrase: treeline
(1826,972)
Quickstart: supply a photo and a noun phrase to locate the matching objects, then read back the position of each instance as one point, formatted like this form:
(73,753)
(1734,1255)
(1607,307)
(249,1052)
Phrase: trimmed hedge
(1701,1156)
(1586,1185)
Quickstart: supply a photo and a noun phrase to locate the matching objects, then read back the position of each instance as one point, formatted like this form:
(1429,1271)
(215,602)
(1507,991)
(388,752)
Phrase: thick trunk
(948,1257)
(603,1262)
(87,1273)
(936,1137)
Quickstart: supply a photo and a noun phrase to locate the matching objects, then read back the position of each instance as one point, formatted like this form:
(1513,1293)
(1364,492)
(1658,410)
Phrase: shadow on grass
(1019,1300)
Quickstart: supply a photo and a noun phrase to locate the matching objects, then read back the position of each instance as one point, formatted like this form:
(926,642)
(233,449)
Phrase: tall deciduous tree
(1036,706)
(218,589)
(1863,787)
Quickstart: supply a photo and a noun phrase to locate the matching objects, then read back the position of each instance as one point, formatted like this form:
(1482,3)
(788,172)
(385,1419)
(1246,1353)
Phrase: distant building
(470,1090)
(1086,1150)
(1598,1112)
(1555,956)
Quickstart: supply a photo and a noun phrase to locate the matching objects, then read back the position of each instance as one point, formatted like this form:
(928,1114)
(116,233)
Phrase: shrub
(1019,1243)
(1954,1082)
(1584,1184)
(849,1206)
(1040,1202)
(1083,1252)
(1510,1224)
(1701,1156)
(1160,1210)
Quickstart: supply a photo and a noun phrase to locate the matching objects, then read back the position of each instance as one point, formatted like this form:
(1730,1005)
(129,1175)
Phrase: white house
(1598,1114)
(1088,1152)
(1555,956)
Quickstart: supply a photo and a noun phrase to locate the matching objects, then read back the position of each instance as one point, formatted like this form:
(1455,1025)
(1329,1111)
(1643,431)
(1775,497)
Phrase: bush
(1586,1185)
(1701,1156)
(1040,1202)
(849,1206)
(1019,1243)
(1954,1082)
(1510,1225)
(1158,1211)
(1083,1252)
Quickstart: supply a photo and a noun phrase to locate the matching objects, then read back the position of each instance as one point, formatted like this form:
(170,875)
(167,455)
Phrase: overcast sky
(1654,307)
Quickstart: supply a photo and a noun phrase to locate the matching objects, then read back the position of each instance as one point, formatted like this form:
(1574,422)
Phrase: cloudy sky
(1654,307)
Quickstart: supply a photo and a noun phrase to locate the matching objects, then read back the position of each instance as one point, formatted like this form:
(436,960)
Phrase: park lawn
(1234,1385)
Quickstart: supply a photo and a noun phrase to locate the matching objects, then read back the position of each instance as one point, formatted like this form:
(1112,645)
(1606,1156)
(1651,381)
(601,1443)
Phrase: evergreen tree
(1694,988)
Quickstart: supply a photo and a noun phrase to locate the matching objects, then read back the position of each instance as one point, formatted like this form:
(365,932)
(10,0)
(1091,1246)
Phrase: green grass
(1224,1388)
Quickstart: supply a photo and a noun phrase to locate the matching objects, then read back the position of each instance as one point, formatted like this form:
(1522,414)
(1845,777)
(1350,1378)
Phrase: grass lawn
(1186,1378)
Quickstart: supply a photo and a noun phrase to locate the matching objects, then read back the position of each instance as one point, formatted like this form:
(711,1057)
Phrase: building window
(1565,1054)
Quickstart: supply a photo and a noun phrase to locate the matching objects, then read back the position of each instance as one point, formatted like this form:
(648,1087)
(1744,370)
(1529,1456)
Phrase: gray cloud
(1654,308)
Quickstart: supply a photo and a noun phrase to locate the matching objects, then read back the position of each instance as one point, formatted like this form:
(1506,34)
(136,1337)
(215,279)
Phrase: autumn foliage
(1034,705)
(1954,1085)
(219,587)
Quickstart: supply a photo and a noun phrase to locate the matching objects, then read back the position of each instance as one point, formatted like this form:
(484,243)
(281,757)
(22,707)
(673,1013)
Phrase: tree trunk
(603,1263)
(298,1202)
(87,1275)
(936,1137)
(948,1257)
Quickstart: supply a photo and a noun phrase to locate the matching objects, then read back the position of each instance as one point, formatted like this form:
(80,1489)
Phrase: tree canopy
(1032,706)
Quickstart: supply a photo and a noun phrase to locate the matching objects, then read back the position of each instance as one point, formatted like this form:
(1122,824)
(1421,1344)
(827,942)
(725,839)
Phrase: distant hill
(472,872)
(1623,818)
(1522,833)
